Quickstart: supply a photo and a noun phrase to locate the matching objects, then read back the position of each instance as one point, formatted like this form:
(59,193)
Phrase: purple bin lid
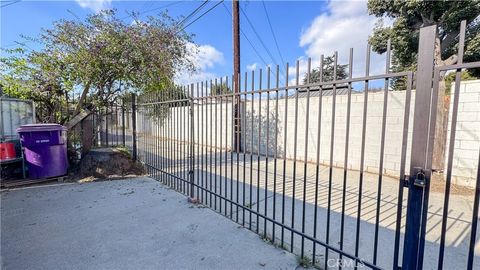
(40,127)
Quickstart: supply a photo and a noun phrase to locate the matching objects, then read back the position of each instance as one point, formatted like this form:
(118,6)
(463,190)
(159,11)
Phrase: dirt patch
(438,185)
(107,163)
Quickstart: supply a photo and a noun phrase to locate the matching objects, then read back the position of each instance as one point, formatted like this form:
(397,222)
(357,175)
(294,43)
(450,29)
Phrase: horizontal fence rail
(316,165)
(250,156)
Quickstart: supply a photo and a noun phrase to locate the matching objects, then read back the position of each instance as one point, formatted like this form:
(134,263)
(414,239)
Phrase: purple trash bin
(45,149)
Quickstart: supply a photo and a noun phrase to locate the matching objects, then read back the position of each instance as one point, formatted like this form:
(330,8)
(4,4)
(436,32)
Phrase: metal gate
(320,168)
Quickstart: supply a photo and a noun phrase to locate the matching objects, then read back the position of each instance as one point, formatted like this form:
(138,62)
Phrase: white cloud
(346,24)
(252,67)
(204,57)
(95,5)
(302,69)
(207,56)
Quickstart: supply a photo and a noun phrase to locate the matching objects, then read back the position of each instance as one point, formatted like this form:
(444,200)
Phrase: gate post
(420,171)
(106,125)
(123,123)
(134,127)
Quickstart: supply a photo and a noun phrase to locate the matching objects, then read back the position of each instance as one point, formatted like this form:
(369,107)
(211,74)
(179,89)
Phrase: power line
(10,3)
(248,40)
(258,36)
(192,13)
(202,15)
(273,33)
(153,9)
(73,14)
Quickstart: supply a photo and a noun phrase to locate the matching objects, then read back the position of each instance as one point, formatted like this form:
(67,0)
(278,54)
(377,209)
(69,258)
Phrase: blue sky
(303,29)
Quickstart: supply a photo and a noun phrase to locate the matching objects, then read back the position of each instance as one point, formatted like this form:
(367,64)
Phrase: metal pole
(123,123)
(134,127)
(419,173)
(236,71)
(236,44)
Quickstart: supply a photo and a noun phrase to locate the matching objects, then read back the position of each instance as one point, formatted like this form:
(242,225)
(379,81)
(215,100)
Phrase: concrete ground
(124,224)
(253,183)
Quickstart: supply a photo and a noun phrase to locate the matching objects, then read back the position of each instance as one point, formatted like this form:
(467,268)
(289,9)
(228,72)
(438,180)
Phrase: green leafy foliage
(328,71)
(97,59)
(410,15)
(220,89)
(450,79)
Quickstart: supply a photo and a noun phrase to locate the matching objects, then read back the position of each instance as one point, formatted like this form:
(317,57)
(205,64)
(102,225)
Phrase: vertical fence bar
(156,138)
(382,151)
(305,158)
(473,229)
(244,131)
(362,153)
(192,146)
(212,149)
(198,98)
(123,123)
(116,123)
(345,164)
(330,169)
(203,143)
(267,127)
(106,127)
(259,126)
(169,137)
(226,146)
(216,146)
(411,252)
(232,144)
(251,151)
(162,138)
(134,127)
(284,168)
(275,154)
(221,142)
(317,166)
(237,135)
(295,135)
(451,147)
(185,126)
(406,118)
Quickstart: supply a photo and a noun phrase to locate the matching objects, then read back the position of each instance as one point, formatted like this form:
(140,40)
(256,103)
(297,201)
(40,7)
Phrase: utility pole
(236,71)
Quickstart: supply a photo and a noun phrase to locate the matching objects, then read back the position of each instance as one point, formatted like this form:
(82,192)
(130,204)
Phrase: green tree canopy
(410,15)
(220,89)
(97,57)
(328,71)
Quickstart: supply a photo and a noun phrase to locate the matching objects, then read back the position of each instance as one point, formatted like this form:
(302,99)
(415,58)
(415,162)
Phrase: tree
(410,15)
(328,70)
(98,57)
(220,89)
(39,77)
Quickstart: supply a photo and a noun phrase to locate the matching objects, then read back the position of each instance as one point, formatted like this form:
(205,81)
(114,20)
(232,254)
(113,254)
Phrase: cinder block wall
(467,137)
(302,140)
(308,137)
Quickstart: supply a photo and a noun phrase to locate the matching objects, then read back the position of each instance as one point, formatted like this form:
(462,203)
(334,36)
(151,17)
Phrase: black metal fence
(256,157)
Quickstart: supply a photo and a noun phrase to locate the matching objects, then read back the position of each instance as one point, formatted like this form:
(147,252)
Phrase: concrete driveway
(251,181)
(124,224)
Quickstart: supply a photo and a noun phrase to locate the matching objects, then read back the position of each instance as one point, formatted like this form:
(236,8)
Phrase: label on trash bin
(42,141)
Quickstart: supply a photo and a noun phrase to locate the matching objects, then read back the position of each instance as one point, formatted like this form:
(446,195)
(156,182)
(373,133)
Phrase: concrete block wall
(307,132)
(212,124)
(467,137)
(268,121)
